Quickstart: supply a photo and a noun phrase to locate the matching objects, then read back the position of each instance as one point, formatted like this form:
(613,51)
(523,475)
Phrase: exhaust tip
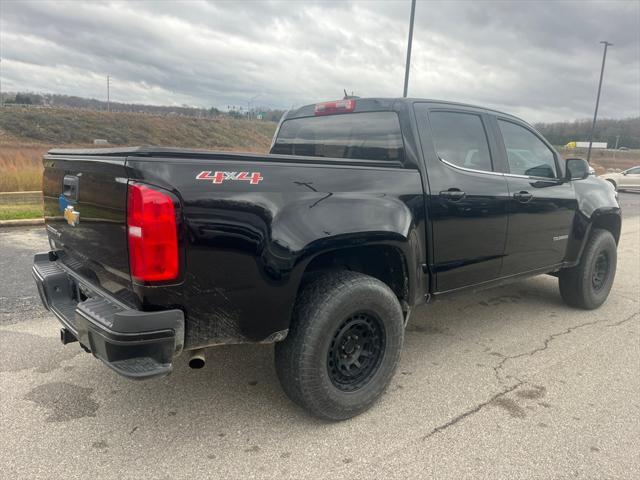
(197,359)
(196,363)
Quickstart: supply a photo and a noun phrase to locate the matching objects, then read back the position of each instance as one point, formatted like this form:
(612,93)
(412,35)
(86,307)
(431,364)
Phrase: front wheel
(343,345)
(588,284)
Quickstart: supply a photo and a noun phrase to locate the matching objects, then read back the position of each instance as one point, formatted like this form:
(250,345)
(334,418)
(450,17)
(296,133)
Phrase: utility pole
(108,99)
(409,42)
(595,113)
(616,147)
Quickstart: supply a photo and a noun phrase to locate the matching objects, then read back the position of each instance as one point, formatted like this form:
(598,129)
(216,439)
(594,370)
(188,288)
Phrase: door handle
(523,196)
(453,194)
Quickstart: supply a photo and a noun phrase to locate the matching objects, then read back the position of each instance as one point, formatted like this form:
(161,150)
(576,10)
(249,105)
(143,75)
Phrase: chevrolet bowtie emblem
(71,216)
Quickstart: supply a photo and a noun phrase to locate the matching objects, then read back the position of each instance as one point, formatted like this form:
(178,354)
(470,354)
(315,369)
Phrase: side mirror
(543,170)
(577,169)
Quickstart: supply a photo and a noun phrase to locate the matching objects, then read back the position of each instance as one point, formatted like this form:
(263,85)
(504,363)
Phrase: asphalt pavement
(503,383)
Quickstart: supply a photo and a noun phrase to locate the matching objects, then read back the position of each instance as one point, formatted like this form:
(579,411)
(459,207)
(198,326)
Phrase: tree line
(627,132)
(70,101)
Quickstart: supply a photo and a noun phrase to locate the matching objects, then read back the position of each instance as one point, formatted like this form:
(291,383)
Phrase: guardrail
(20,198)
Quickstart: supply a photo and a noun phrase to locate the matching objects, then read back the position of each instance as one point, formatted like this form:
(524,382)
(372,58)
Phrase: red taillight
(153,234)
(338,106)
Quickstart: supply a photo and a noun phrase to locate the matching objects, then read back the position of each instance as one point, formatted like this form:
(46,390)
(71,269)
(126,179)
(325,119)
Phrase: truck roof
(383,103)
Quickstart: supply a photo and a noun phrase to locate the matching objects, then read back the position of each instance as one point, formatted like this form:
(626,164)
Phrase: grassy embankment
(27,133)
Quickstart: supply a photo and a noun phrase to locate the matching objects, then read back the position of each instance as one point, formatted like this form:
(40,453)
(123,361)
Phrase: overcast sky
(536,59)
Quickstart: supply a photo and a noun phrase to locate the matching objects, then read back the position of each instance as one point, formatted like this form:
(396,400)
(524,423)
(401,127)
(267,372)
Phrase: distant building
(586,145)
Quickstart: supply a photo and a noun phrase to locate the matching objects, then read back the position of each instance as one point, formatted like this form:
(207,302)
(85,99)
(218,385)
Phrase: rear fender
(347,222)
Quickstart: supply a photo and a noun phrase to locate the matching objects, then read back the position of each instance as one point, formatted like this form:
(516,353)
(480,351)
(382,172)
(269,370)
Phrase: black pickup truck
(363,210)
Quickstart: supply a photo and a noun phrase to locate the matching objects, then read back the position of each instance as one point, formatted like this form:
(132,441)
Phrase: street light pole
(250,104)
(108,94)
(595,114)
(409,42)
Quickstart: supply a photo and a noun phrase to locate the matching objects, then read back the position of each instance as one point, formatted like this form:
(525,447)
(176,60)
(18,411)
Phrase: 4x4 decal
(218,177)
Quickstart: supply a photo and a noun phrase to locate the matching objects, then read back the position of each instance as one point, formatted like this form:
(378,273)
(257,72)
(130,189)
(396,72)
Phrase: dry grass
(21,167)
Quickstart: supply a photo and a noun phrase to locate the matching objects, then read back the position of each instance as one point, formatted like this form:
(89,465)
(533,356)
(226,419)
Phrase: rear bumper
(134,343)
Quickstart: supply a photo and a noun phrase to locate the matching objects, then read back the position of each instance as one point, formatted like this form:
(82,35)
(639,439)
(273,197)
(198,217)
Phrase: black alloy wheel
(600,271)
(356,350)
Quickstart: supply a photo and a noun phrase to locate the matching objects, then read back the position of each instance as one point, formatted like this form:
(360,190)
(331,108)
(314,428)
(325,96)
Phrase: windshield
(367,135)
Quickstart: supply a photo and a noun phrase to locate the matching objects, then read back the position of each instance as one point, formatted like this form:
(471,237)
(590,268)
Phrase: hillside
(54,126)
(26,133)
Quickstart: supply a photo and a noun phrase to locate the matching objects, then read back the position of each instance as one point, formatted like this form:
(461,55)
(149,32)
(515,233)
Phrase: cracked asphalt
(503,383)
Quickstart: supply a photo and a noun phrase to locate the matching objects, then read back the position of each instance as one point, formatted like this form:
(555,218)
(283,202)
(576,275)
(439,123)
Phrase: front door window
(526,153)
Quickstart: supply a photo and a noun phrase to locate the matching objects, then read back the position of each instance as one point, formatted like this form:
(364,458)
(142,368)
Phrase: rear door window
(461,140)
(366,135)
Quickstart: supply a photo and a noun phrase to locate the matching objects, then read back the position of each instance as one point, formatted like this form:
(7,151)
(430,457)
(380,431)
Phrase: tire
(614,184)
(588,284)
(340,317)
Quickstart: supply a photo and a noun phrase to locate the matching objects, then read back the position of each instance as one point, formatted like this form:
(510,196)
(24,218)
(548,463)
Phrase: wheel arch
(610,222)
(605,218)
(612,182)
(387,263)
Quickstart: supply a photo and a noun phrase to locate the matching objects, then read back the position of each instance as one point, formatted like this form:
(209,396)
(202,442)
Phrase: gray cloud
(539,60)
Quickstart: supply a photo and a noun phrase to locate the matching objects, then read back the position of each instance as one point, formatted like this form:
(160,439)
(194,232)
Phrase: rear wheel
(588,284)
(343,345)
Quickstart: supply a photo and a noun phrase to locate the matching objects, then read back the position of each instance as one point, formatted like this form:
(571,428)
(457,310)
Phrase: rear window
(460,139)
(367,135)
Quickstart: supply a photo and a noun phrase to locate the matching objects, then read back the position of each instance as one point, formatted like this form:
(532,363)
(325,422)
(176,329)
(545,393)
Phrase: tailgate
(85,200)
